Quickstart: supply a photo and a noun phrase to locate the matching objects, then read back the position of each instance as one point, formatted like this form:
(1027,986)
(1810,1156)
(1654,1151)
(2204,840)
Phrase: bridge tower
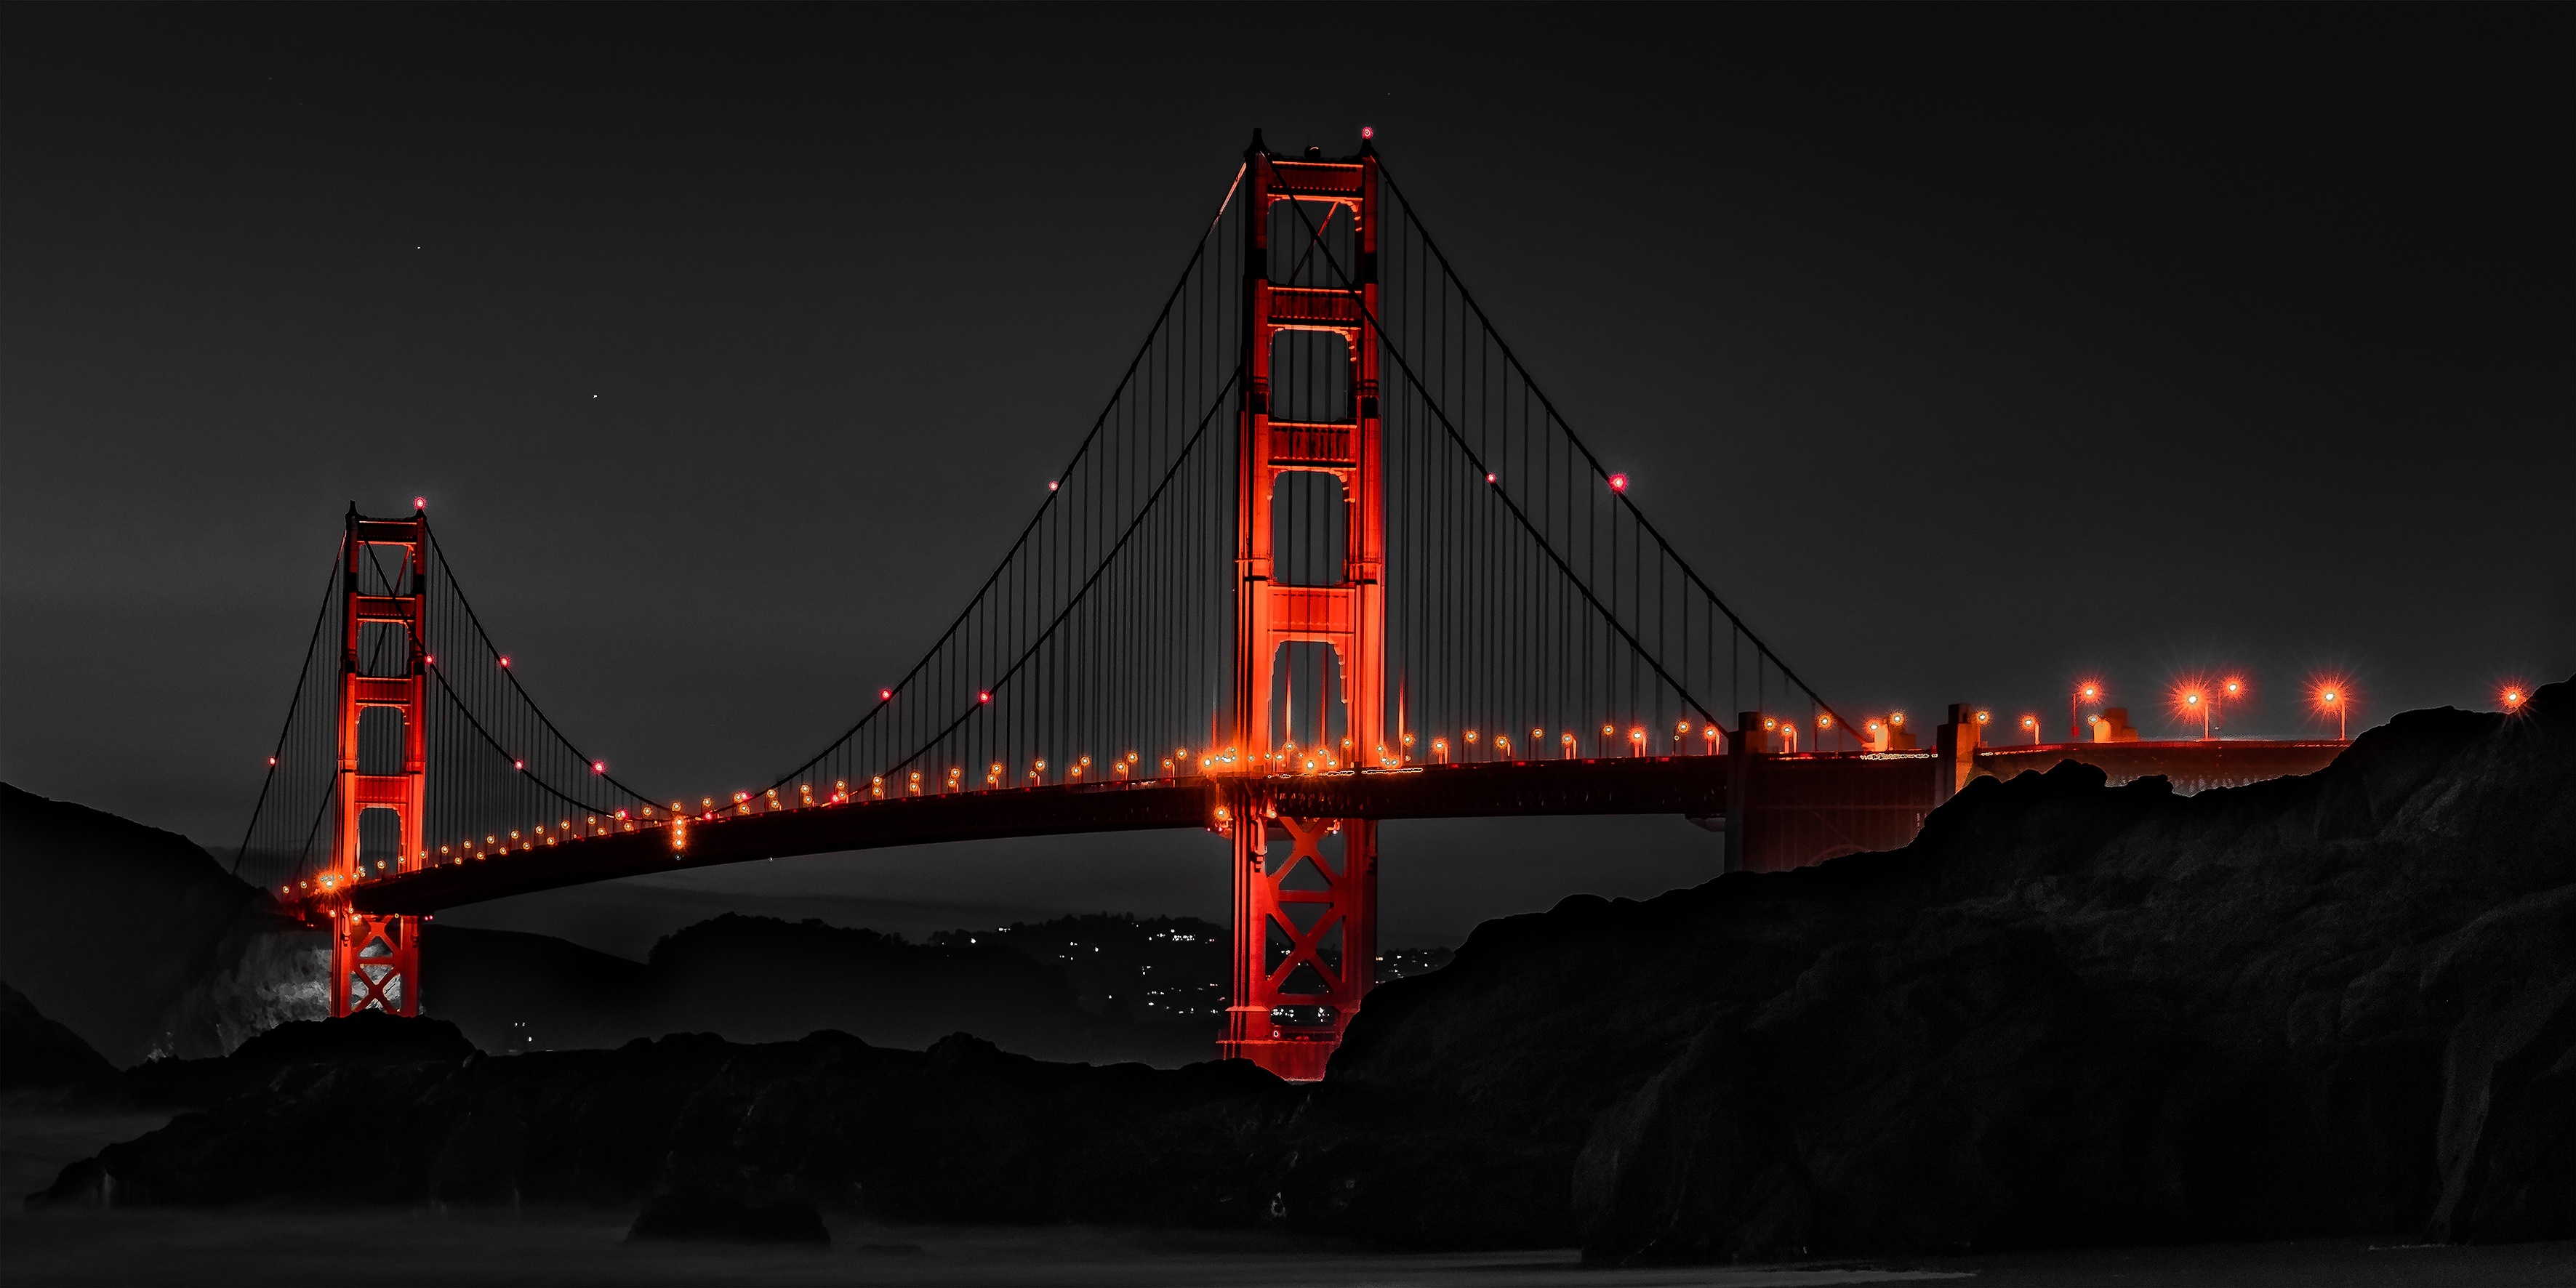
(375,961)
(1305,890)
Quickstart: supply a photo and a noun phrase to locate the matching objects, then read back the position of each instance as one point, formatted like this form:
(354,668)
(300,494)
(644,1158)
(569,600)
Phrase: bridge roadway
(1803,808)
(1645,785)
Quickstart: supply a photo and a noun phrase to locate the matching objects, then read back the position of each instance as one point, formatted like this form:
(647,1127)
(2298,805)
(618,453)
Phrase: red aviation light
(884,695)
(599,766)
(985,695)
(1618,482)
(419,503)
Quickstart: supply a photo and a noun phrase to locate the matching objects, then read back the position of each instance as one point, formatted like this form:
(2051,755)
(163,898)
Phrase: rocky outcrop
(2068,1013)
(960,1132)
(367,1040)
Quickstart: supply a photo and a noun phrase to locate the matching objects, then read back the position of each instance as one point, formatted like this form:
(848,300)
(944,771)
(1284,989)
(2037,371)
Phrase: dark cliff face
(2067,1014)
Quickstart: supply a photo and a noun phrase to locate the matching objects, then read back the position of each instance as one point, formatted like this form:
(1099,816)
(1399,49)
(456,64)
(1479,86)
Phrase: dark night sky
(1964,351)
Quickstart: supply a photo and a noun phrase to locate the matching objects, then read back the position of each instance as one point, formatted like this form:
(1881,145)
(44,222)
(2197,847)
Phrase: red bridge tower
(1305,890)
(375,961)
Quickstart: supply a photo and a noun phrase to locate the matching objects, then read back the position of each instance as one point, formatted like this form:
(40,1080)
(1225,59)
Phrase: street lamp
(2086,693)
(2031,723)
(2331,697)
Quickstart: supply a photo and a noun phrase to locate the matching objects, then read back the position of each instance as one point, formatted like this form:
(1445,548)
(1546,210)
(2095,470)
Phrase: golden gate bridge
(1328,556)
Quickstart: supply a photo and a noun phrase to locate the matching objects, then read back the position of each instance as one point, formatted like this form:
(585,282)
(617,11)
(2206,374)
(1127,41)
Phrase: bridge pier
(1305,936)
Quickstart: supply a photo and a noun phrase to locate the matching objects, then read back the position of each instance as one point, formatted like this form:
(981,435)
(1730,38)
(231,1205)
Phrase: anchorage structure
(375,960)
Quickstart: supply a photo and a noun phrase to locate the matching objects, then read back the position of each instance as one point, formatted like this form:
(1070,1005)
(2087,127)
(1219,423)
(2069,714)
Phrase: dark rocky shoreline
(2341,1005)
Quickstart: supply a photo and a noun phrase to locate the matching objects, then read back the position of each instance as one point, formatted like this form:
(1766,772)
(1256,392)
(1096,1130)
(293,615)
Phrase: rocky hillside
(130,935)
(2066,1014)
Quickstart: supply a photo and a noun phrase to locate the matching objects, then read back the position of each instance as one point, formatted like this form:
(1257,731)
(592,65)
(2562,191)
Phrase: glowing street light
(1637,741)
(2332,696)
(2085,694)
(2191,701)
(2230,689)
(2513,697)
(2031,725)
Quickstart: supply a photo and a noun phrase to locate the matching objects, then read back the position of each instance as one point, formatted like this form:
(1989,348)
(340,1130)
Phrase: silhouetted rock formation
(2343,1004)
(37,1052)
(960,1132)
(2065,1014)
(369,1039)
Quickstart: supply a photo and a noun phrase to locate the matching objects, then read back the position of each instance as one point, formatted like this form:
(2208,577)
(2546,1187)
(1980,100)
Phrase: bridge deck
(1803,809)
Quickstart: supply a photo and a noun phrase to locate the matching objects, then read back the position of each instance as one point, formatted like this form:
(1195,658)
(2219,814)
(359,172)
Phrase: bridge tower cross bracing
(375,960)
(1305,925)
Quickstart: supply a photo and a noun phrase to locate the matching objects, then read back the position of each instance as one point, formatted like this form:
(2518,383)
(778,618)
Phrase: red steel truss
(1305,902)
(375,960)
